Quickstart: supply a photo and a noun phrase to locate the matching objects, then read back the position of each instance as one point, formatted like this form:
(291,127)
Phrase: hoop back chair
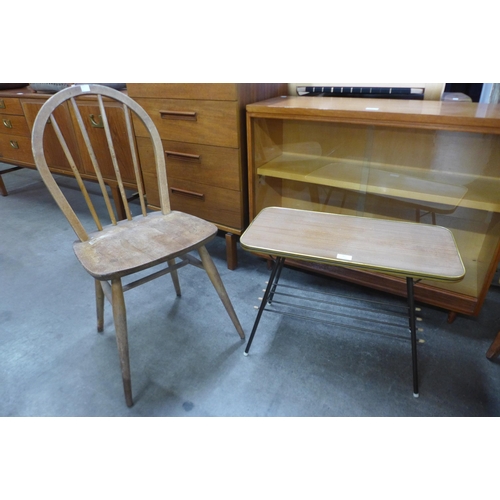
(123,247)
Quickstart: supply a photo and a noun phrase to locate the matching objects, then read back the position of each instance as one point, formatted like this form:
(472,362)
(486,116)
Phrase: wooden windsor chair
(124,247)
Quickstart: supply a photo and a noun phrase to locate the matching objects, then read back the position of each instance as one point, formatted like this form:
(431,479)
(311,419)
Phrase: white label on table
(85,88)
(344,257)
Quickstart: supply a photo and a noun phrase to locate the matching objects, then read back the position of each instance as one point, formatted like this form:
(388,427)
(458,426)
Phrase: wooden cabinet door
(53,151)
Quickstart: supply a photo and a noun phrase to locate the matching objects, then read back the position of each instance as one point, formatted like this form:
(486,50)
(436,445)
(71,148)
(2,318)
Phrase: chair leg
(175,278)
(120,319)
(99,300)
(215,278)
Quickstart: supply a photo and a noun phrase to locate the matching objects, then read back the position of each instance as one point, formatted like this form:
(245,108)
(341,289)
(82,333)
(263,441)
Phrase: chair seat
(140,243)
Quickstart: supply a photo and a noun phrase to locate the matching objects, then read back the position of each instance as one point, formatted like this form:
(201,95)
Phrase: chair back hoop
(46,113)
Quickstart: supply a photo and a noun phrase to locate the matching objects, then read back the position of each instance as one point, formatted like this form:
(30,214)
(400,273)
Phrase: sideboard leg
(117,199)
(494,349)
(231,251)
(3,189)
(451,316)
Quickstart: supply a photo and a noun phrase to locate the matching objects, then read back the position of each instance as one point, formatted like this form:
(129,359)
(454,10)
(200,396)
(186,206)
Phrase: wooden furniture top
(22,92)
(401,248)
(211,91)
(29,93)
(243,92)
(449,115)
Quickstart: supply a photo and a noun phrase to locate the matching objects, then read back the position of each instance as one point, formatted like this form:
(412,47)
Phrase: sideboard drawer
(16,148)
(218,205)
(207,202)
(203,91)
(10,106)
(203,122)
(212,165)
(14,125)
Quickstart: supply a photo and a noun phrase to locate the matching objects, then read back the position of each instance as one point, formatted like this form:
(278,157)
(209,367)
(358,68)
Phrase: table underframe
(270,292)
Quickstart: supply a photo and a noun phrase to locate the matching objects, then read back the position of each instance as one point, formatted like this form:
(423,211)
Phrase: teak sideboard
(427,161)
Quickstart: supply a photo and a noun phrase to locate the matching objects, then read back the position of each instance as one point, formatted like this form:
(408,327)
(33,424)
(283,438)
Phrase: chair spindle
(133,152)
(114,160)
(76,173)
(94,161)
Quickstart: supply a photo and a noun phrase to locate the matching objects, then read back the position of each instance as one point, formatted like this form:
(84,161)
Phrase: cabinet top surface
(28,92)
(425,113)
(23,92)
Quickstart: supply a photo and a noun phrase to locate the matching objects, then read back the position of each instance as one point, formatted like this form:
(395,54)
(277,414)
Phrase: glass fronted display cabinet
(423,161)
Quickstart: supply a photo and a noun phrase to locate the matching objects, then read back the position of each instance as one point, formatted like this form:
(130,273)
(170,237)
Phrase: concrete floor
(186,358)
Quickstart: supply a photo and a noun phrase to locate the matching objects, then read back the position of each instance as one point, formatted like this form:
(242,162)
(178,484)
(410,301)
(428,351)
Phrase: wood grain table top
(396,247)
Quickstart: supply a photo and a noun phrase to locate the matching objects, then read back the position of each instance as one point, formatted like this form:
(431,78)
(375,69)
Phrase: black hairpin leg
(413,331)
(268,294)
(279,266)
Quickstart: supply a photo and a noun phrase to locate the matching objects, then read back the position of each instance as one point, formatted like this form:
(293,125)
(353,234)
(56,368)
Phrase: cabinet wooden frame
(426,161)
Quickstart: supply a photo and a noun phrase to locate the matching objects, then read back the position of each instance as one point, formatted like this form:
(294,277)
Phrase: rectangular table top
(407,249)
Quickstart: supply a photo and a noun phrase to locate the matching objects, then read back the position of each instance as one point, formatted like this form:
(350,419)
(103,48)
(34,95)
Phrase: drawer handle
(96,123)
(7,123)
(2,104)
(14,144)
(182,156)
(178,115)
(188,193)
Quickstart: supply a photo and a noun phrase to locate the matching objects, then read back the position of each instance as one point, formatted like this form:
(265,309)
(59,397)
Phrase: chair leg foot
(128,394)
(120,320)
(215,278)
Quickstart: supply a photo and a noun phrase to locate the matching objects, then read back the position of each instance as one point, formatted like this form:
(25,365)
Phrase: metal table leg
(279,266)
(413,331)
(270,289)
